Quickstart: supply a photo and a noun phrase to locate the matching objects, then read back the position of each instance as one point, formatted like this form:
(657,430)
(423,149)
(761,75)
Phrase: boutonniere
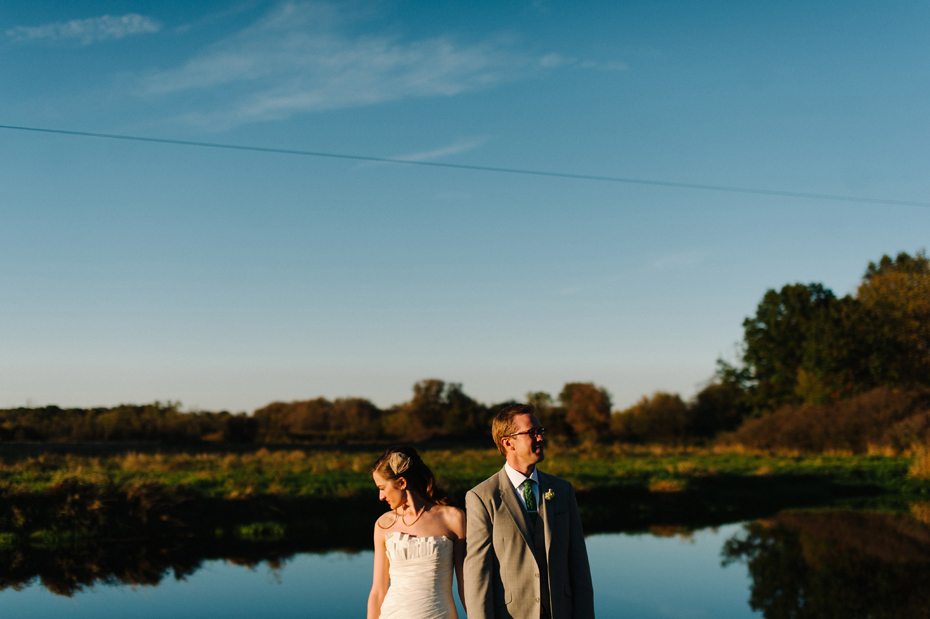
(549,494)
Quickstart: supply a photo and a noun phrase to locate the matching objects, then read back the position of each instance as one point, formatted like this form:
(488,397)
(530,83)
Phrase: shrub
(876,418)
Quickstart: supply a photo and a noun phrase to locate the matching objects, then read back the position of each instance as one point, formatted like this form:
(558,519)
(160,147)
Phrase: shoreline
(51,498)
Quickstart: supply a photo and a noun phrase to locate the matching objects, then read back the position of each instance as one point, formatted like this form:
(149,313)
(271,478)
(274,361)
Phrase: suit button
(537,575)
(537,599)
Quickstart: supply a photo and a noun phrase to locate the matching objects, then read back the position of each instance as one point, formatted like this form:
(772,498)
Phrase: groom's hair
(502,425)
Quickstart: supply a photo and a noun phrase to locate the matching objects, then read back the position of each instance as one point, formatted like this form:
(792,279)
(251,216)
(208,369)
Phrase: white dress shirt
(517,478)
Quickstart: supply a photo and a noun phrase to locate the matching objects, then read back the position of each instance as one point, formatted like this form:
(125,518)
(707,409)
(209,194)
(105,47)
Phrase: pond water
(795,564)
(634,576)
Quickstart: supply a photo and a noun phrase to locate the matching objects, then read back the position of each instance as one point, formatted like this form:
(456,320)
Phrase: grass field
(333,473)
(327,495)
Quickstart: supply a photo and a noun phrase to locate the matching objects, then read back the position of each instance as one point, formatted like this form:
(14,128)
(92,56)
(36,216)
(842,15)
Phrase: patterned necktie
(529,496)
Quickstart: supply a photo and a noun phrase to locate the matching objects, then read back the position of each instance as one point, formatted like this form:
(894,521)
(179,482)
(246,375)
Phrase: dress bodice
(421,577)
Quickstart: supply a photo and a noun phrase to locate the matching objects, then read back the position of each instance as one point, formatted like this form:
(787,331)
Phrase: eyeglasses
(536,433)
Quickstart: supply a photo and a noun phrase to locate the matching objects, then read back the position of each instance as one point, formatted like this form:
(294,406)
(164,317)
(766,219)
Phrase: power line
(462,166)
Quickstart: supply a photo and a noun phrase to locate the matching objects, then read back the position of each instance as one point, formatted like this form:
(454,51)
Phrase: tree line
(853,371)
(127,422)
(437,409)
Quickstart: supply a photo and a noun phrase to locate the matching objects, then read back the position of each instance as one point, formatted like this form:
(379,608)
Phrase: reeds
(334,473)
(920,466)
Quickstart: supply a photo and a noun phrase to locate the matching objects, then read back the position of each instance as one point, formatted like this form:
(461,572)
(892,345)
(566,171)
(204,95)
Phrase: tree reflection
(836,564)
(66,571)
(803,564)
(76,536)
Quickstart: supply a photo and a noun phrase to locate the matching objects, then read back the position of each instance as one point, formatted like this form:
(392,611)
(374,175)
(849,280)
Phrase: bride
(417,543)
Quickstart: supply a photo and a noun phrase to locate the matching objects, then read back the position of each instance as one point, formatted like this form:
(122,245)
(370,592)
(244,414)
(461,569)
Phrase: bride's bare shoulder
(455,519)
(386,521)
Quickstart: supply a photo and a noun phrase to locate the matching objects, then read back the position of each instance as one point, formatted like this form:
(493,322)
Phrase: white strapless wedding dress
(421,578)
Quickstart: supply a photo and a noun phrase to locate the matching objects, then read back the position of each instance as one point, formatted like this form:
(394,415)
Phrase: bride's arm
(458,552)
(381,578)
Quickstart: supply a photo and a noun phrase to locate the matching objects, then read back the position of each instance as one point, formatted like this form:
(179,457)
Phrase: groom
(526,557)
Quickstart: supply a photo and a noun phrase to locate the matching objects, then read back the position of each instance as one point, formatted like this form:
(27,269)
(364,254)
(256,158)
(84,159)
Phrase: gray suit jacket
(501,576)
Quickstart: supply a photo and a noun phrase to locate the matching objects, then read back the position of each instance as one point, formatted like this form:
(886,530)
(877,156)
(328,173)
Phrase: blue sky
(133,272)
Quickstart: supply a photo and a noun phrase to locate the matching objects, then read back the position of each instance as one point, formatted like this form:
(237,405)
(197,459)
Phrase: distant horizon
(384,406)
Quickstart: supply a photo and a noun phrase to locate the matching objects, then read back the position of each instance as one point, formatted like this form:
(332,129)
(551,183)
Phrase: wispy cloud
(87,31)
(457,147)
(302,57)
(237,8)
(552,61)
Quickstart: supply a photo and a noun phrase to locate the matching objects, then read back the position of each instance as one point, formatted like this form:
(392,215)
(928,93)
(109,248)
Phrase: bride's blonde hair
(405,462)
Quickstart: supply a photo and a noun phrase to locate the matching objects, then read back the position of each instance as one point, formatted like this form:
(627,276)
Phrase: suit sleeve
(479,559)
(579,571)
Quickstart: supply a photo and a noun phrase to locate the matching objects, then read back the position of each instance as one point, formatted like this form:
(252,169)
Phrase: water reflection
(77,534)
(796,564)
(837,564)
(66,570)
(332,586)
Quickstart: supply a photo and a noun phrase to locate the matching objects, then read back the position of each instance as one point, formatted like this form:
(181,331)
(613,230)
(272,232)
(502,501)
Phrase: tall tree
(845,353)
(718,407)
(423,415)
(587,410)
(550,415)
(775,340)
(897,291)
(437,407)
(662,418)
(461,412)
(355,418)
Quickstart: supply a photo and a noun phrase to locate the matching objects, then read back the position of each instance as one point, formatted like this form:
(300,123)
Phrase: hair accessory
(399,462)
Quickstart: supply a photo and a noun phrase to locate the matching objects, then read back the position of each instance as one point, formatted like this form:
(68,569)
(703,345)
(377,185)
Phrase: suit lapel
(545,508)
(509,499)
